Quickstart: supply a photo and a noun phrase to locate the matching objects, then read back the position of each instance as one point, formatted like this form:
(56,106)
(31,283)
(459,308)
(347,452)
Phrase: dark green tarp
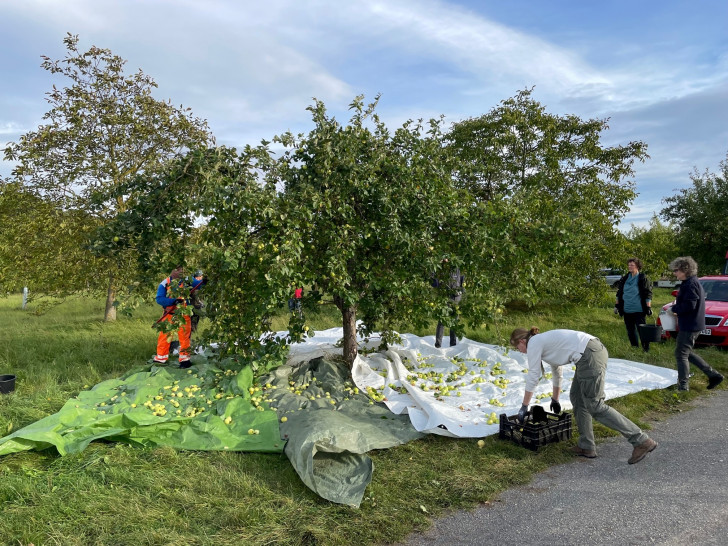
(330,427)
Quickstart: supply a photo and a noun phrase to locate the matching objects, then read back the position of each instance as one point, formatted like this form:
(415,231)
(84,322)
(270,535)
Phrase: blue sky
(657,69)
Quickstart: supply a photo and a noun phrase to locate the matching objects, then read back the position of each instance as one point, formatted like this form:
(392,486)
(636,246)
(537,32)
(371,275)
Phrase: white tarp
(483,381)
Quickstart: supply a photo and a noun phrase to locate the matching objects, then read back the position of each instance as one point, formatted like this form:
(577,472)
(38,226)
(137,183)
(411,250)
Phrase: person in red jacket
(170,304)
(294,303)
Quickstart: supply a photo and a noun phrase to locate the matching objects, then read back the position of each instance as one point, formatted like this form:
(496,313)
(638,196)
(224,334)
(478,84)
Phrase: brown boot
(641,450)
(581,452)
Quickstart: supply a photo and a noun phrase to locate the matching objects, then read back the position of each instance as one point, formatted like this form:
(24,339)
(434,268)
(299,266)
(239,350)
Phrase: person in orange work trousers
(169,305)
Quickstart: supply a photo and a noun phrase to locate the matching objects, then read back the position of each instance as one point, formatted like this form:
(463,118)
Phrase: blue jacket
(690,306)
(163,287)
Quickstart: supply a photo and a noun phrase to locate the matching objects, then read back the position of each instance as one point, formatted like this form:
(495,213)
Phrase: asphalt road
(677,495)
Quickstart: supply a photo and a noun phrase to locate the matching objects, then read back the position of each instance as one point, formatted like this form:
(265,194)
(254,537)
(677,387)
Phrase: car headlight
(726,322)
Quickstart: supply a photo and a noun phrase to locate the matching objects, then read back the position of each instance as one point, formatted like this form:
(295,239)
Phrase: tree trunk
(348,316)
(110,312)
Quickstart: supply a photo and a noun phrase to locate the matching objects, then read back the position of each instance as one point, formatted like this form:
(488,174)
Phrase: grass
(118,494)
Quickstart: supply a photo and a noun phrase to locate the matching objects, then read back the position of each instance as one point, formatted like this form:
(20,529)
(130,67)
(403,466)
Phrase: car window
(715,290)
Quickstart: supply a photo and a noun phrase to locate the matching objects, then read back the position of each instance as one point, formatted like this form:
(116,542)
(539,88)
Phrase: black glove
(555,406)
(180,300)
(522,413)
(649,311)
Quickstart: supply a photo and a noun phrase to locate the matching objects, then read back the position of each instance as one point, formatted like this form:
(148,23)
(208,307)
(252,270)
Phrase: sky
(658,70)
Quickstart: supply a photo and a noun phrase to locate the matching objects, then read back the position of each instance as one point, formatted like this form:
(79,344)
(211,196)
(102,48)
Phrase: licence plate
(706,332)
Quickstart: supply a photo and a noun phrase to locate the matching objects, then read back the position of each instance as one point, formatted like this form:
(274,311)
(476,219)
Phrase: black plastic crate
(547,428)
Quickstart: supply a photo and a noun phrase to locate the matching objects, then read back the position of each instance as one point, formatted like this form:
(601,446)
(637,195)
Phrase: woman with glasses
(690,310)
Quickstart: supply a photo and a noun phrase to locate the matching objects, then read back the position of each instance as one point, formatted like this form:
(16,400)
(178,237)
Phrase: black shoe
(185,364)
(714,381)
(437,345)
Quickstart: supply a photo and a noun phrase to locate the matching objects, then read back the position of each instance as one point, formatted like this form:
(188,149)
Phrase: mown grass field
(118,494)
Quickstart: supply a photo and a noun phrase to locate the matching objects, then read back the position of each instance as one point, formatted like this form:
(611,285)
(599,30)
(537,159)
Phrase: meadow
(119,494)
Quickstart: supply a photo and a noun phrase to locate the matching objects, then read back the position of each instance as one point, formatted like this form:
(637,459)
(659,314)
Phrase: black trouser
(632,322)
(685,356)
(440,330)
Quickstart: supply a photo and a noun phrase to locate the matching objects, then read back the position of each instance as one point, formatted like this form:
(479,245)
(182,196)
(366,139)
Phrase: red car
(716,313)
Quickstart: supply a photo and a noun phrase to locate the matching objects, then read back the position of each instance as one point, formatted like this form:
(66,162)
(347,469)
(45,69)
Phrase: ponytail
(521,333)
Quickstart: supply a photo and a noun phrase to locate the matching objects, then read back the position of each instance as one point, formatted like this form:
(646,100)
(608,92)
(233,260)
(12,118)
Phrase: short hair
(637,262)
(685,264)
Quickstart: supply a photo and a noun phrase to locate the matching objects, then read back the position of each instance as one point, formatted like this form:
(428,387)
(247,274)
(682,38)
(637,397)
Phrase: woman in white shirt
(561,347)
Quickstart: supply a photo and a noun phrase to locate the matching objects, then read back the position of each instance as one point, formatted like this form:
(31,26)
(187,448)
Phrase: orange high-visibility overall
(183,333)
(184,342)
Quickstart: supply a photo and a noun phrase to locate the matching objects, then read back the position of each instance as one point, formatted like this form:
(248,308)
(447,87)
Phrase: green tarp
(326,426)
(203,408)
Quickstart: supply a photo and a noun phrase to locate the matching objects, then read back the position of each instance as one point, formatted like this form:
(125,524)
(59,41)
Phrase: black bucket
(650,333)
(7,384)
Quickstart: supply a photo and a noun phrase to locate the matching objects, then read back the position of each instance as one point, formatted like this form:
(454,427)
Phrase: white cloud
(10,128)
(251,68)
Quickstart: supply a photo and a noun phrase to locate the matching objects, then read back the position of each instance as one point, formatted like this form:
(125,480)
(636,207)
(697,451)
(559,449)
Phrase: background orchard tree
(656,245)
(102,131)
(699,215)
(569,189)
(42,245)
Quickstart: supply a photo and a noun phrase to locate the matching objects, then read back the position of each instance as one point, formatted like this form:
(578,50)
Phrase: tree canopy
(655,245)
(569,189)
(698,213)
(357,213)
(373,213)
(42,243)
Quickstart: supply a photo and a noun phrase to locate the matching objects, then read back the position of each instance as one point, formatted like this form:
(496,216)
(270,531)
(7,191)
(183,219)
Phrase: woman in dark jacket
(634,300)
(690,310)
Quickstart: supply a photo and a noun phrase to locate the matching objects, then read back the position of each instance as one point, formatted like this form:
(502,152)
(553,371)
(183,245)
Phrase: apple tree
(375,217)
(101,131)
(219,210)
(364,216)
